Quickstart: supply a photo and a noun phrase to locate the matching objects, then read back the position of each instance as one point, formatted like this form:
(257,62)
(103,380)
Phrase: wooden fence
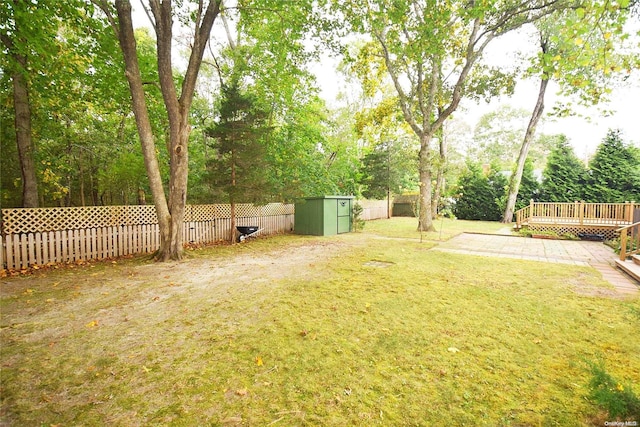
(43,236)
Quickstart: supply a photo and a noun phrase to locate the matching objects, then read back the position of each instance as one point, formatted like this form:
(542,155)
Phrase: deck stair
(630,267)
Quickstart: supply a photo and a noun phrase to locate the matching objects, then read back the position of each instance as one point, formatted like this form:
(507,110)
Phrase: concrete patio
(580,253)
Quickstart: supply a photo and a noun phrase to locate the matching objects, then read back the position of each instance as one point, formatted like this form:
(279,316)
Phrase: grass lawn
(290,330)
(445,229)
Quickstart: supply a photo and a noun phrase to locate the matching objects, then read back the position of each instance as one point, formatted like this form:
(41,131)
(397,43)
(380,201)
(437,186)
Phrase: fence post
(629,207)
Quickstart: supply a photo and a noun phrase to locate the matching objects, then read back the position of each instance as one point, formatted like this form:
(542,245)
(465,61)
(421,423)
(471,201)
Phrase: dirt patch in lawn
(52,305)
(244,266)
(77,310)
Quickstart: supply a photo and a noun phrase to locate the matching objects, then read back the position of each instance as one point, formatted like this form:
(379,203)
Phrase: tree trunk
(143,123)
(514,181)
(177,192)
(171,212)
(232,199)
(425,218)
(440,182)
(233,222)
(23,137)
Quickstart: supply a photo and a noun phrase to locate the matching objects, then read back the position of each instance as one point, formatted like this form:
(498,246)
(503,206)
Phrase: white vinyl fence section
(43,236)
(373,209)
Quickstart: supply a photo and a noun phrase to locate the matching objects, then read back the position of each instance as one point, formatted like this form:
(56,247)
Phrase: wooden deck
(578,217)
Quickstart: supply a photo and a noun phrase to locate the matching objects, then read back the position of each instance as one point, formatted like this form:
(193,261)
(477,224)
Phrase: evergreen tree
(499,184)
(239,171)
(564,176)
(480,196)
(529,186)
(389,167)
(614,172)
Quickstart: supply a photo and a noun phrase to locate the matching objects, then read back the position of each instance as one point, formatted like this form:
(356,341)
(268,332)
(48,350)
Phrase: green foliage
(358,222)
(480,196)
(310,154)
(618,399)
(529,186)
(389,167)
(80,118)
(586,50)
(564,176)
(498,136)
(239,169)
(614,172)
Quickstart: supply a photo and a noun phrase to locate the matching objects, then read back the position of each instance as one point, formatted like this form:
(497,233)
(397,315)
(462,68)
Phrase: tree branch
(402,97)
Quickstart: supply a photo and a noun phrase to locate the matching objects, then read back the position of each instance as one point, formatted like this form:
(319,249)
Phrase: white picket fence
(373,209)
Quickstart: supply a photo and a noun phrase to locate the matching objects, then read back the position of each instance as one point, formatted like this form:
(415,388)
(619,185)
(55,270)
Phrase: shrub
(358,222)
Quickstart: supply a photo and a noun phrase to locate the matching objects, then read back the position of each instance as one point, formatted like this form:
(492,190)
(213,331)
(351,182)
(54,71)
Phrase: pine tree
(529,186)
(564,177)
(389,167)
(614,172)
(239,171)
(480,196)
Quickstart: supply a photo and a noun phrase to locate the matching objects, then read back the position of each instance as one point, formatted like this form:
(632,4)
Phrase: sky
(584,131)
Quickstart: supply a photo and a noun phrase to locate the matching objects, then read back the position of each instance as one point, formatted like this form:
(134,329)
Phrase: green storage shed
(324,216)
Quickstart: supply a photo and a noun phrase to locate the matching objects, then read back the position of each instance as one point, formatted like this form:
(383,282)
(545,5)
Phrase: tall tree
(177,103)
(388,169)
(431,54)
(614,172)
(529,186)
(564,176)
(266,51)
(497,136)
(239,168)
(28,36)
(578,49)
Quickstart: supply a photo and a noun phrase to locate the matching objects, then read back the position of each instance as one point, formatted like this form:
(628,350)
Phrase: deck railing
(629,240)
(578,213)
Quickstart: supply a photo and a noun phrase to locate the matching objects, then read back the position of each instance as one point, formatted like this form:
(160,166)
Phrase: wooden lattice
(28,220)
(609,233)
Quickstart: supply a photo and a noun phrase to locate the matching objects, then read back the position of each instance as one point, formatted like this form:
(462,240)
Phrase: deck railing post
(581,211)
(629,210)
(623,245)
(531,202)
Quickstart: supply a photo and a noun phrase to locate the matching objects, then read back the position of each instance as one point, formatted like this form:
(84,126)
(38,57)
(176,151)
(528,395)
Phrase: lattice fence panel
(223,211)
(608,232)
(273,209)
(53,219)
(246,210)
(16,221)
(201,213)
(51,235)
